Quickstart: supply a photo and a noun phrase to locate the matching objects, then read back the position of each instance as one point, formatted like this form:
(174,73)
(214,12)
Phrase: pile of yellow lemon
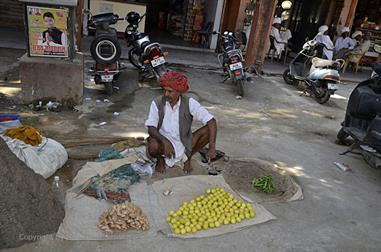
(210,210)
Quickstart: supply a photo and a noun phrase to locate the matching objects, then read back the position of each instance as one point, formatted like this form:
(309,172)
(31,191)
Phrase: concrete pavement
(339,212)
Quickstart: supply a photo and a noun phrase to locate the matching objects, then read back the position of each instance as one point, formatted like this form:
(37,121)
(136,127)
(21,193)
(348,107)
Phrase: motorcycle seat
(318,62)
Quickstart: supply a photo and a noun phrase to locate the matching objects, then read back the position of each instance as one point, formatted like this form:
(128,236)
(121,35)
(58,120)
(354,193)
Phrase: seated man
(343,43)
(362,46)
(169,125)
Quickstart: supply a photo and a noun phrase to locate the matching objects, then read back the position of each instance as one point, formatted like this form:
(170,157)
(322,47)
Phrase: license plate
(332,86)
(236,66)
(107,77)
(157,62)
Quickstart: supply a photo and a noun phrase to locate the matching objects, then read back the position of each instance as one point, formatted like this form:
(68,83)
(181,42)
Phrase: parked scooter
(363,119)
(145,55)
(231,60)
(321,76)
(105,50)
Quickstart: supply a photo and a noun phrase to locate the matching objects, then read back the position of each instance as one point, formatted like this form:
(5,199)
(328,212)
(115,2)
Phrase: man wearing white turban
(324,39)
(278,41)
(343,43)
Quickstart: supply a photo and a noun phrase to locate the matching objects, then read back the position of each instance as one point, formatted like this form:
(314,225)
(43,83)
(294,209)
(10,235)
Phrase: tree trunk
(28,207)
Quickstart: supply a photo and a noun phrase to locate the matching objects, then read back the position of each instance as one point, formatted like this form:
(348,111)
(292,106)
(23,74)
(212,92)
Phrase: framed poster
(47,31)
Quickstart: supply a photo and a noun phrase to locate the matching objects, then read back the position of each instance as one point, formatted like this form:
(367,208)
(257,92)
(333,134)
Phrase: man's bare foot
(160,165)
(187,167)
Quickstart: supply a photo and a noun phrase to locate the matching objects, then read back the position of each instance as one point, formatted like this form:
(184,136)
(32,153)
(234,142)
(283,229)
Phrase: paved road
(340,211)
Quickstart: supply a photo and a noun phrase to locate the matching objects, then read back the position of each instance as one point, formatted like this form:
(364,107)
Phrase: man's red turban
(175,80)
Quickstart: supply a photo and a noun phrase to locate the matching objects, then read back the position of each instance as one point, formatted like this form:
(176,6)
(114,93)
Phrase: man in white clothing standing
(278,41)
(324,39)
(169,122)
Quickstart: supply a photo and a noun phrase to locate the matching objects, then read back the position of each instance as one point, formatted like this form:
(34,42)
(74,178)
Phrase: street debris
(343,167)
(167,192)
(115,113)
(53,106)
(102,123)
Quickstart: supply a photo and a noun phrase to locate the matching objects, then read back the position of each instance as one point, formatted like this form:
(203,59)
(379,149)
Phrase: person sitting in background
(363,45)
(323,38)
(343,44)
(356,38)
(278,41)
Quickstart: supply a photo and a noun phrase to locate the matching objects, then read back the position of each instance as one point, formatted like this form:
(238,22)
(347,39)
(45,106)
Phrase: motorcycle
(145,55)
(321,76)
(231,60)
(363,119)
(105,50)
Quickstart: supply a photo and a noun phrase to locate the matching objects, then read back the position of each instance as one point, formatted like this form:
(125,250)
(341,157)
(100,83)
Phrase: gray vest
(185,121)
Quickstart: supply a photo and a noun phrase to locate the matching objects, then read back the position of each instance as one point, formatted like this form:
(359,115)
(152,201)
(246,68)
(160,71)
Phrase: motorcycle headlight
(225,33)
(230,34)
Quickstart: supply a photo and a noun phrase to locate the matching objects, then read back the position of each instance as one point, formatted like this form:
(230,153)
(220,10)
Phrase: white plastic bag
(44,159)
(143,169)
(9,125)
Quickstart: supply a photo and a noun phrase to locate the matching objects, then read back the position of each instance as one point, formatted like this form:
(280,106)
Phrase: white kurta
(279,47)
(328,49)
(344,43)
(170,127)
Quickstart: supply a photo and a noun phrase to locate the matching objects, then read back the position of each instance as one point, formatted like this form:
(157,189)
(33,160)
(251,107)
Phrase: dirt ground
(274,122)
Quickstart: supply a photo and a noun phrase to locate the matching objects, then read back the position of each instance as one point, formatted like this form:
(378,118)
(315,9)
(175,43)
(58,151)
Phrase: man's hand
(168,149)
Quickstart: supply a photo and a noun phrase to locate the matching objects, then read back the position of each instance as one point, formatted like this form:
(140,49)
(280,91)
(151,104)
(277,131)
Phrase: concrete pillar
(260,32)
(241,15)
(217,23)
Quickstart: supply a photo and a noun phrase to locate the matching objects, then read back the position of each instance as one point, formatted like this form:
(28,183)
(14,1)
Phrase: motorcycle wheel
(110,41)
(134,58)
(240,87)
(288,78)
(109,88)
(342,135)
(324,96)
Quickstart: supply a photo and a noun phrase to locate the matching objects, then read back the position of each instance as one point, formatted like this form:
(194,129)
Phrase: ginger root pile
(123,217)
(27,134)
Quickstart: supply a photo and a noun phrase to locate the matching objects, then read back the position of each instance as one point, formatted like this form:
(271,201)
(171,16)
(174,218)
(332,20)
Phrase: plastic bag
(143,169)
(11,124)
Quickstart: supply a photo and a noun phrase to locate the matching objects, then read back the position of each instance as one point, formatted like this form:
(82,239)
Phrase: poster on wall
(47,31)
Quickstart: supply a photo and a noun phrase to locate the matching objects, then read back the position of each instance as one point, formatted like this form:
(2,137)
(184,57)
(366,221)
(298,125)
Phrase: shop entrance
(181,22)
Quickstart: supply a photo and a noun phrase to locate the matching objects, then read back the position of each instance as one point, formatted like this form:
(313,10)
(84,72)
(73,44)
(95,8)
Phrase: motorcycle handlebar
(223,36)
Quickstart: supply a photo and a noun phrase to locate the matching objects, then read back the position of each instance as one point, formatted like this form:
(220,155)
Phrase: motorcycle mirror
(142,17)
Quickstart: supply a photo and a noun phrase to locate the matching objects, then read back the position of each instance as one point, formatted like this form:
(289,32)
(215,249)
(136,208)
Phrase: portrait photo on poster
(47,31)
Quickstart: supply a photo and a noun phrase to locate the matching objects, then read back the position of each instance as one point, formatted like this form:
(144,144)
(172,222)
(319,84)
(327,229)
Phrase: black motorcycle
(105,50)
(145,55)
(231,60)
(363,119)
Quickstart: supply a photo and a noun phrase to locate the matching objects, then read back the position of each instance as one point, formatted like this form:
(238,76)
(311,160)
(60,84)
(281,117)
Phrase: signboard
(47,31)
